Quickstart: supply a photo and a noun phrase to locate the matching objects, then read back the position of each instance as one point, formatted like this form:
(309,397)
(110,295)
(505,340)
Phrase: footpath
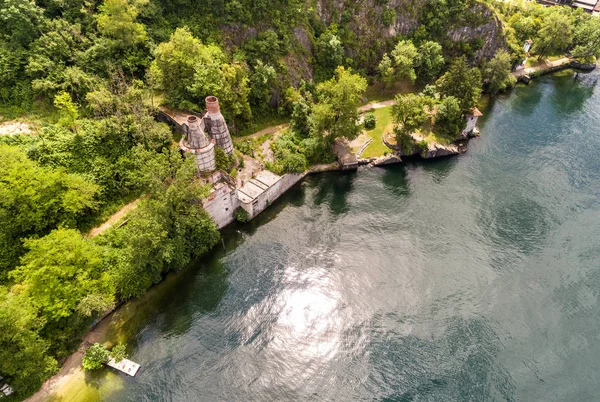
(547,66)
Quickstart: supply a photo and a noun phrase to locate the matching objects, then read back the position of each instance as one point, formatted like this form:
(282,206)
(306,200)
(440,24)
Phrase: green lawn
(533,60)
(377,147)
(378,93)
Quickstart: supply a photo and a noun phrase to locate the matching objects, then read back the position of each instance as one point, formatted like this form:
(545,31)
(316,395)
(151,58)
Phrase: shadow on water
(439,169)
(394,179)
(333,188)
(527,98)
(171,304)
(468,348)
(570,93)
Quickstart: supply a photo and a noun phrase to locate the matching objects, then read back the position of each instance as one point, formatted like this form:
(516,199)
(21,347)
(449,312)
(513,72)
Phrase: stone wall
(260,203)
(221,204)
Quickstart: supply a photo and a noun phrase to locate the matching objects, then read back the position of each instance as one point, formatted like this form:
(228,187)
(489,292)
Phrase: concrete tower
(217,128)
(197,143)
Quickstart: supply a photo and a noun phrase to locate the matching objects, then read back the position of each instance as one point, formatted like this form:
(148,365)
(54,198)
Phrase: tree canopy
(461,82)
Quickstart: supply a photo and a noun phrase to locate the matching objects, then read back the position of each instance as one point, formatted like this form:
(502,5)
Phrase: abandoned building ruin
(201,133)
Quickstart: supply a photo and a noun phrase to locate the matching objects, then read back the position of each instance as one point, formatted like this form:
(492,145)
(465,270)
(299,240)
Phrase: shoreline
(71,367)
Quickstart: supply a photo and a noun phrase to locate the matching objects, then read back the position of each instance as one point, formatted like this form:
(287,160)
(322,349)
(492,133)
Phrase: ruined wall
(221,204)
(272,194)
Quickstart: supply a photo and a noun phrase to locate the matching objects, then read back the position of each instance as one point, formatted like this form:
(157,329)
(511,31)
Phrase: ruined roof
(474,112)
(529,41)
(258,185)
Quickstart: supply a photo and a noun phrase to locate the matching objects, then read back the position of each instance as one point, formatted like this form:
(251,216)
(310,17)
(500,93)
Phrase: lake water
(470,278)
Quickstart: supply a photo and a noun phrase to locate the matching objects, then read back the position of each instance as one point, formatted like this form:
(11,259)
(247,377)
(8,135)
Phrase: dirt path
(15,127)
(268,130)
(116,217)
(377,105)
(547,65)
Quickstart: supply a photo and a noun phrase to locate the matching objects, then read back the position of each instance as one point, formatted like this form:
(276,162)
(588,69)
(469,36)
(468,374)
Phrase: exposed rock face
(367,16)
(387,160)
(490,32)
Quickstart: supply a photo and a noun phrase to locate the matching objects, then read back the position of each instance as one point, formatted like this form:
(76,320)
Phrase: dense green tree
(184,67)
(496,73)
(187,71)
(525,26)
(386,70)
(95,357)
(34,200)
(409,112)
(262,81)
(336,113)
(24,359)
(429,61)
(329,54)
(234,93)
(299,121)
(555,34)
(462,82)
(116,21)
(68,109)
(401,64)
(22,22)
(61,269)
(166,231)
(587,38)
(449,119)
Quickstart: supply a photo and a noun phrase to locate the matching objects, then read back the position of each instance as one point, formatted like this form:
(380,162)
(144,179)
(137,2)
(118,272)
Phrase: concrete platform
(125,366)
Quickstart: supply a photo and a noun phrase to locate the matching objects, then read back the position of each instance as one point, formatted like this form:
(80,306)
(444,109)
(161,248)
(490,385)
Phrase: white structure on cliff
(471,117)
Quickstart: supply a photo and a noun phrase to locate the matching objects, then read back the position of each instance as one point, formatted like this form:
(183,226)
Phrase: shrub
(241,215)
(388,17)
(95,356)
(118,353)
(244,147)
(223,161)
(422,146)
(233,173)
(405,142)
(370,121)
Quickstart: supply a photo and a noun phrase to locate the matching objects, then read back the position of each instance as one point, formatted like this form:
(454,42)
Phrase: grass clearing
(384,122)
(377,92)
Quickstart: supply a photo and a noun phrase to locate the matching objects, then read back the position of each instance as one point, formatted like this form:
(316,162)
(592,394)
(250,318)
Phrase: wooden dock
(126,366)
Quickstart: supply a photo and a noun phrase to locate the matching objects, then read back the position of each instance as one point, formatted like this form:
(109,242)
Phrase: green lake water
(471,278)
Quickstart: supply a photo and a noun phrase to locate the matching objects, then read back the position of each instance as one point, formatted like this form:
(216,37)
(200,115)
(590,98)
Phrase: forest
(89,75)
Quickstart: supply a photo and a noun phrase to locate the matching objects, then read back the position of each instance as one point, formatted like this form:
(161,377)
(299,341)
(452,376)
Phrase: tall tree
(116,20)
(429,61)
(34,200)
(587,38)
(462,82)
(400,65)
(184,66)
(60,270)
(24,359)
(262,81)
(336,112)
(329,54)
(449,119)
(409,112)
(555,34)
(496,73)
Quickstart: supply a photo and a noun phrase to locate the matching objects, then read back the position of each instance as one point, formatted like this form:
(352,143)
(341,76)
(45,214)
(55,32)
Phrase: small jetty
(126,366)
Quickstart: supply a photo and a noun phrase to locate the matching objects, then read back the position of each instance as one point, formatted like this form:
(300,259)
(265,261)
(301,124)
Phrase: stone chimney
(216,126)
(212,104)
(196,137)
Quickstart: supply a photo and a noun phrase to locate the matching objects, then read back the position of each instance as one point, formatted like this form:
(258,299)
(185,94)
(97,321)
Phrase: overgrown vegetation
(95,70)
